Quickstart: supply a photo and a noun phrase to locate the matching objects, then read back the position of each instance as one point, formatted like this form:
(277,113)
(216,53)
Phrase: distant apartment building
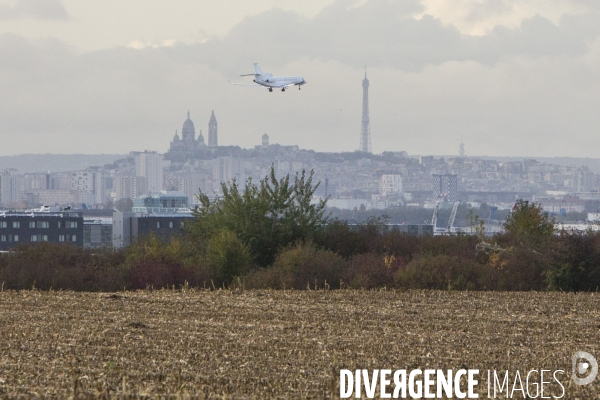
(174,183)
(91,186)
(60,181)
(445,186)
(584,181)
(129,187)
(9,187)
(52,197)
(190,184)
(35,227)
(83,183)
(563,205)
(390,185)
(36,181)
(149,165)
(225,169)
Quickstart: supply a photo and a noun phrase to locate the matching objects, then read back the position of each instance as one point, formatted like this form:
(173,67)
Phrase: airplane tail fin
(257,69)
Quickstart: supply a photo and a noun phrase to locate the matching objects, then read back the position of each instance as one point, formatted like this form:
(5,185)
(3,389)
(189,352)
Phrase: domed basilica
(188,146)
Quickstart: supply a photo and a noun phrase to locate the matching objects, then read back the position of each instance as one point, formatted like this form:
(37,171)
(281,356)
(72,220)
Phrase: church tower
(212,131)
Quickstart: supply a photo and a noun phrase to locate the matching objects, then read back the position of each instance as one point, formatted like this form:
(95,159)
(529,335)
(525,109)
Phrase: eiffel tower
(365,131)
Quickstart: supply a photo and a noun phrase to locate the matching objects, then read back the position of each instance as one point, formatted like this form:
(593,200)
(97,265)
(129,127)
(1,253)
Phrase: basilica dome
(188,133)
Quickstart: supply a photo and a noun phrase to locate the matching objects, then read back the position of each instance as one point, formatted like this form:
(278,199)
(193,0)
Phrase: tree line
(271,234)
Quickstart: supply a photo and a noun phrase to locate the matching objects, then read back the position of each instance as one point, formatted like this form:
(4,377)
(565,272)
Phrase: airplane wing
(244,84)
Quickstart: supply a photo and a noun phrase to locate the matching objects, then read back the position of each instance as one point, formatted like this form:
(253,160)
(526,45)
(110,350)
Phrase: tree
(529,223)
(477,224)
(228,256)
(108,204)
(264,217)
(124,204)
(575,264)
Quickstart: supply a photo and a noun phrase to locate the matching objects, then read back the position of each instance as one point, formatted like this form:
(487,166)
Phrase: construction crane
(436,208)
(452,216)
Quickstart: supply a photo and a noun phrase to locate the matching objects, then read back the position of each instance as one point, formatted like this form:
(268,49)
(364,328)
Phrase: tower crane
(436,208)
(452,216)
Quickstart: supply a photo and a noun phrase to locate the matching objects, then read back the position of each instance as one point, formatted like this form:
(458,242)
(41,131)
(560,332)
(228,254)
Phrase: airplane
(270,81)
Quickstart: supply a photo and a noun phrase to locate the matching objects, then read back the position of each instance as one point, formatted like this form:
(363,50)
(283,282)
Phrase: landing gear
(283,89)
(270,89)
(299,87)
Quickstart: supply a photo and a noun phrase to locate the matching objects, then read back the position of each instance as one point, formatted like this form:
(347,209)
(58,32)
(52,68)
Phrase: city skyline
(521,79)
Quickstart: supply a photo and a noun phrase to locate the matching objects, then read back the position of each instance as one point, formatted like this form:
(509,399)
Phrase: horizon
(307,149)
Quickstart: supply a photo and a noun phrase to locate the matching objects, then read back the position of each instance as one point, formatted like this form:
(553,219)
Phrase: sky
(509,77)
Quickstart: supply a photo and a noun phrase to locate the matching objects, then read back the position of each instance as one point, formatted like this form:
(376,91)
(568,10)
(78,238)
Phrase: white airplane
(270,81)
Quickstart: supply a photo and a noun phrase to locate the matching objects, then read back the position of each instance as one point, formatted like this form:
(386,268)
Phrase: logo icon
(585,368)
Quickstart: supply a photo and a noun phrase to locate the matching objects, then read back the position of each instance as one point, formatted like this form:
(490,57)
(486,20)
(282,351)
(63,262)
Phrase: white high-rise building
(583,181)
(9,187)
(390,184)
(225,169)
(149,165)
(194,184)
(90,184)
(129,187)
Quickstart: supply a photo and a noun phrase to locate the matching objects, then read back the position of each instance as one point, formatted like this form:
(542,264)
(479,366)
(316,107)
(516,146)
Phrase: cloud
(139,44)
(386,34)
(487,9)
(480,17)
(45,10)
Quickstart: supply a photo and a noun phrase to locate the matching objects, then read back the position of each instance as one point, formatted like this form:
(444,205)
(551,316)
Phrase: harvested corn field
(281,344)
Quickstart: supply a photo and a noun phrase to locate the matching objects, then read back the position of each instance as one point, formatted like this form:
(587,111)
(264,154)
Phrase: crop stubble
(278,344)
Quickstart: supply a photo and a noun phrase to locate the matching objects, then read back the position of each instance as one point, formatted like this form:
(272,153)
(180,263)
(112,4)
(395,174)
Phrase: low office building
(97,232)
(35,227)
(130,227)
(162,214)
(165,202)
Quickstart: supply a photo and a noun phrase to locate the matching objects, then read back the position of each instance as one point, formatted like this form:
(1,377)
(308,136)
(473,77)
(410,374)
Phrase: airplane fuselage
(271,82)
(279,81)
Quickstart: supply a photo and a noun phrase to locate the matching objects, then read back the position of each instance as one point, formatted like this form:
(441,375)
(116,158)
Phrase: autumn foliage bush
(568,261)
(50,266)
(150,263)
(575,262)
(299,267)
(371,271)
(441,272)
(271,236)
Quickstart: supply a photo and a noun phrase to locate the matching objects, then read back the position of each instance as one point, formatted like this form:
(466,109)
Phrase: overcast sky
(513,77)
